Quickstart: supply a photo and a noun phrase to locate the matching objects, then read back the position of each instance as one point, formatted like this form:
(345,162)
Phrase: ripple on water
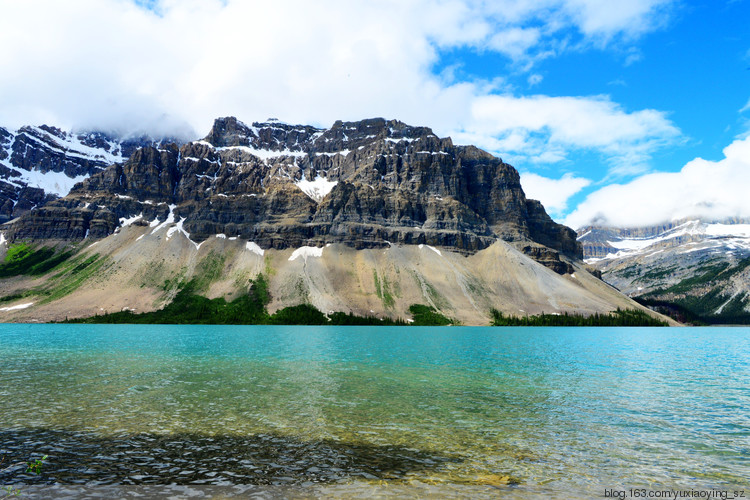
(342,410)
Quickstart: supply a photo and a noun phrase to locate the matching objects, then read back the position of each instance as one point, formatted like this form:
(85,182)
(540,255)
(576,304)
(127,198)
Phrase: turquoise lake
(374,411)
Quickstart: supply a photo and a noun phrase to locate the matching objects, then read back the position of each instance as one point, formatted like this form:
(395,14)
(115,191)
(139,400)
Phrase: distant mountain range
(368,217)
(695,269)
(38,164)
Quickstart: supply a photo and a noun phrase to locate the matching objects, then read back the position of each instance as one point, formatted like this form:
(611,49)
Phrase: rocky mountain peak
(273,135)
(6,139)
(228,132)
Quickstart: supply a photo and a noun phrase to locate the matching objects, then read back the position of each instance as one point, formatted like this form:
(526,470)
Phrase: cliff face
(366,184)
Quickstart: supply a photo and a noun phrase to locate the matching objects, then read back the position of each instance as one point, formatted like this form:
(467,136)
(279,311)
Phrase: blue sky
(694,66)
(621,113)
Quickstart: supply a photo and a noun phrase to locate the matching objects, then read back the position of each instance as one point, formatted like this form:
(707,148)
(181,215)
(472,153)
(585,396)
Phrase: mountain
(364,184)
(38,164)
(366,216)
(695,269)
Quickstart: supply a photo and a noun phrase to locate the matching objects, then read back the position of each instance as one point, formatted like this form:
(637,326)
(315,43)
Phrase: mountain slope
(369,217)
(142,268)
(696,269)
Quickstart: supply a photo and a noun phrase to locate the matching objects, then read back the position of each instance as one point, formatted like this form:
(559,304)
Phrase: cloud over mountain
(709,189)
(171,66)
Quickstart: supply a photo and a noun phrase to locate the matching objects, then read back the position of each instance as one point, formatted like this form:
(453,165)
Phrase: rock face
(366,184)
(39,164)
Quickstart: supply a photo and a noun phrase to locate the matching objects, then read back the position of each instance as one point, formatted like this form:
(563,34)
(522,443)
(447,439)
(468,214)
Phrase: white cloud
(515,42)
(632,58)
(746,107)
(113,64)
(539,123)
(713,190)
(605,19)
(553,193)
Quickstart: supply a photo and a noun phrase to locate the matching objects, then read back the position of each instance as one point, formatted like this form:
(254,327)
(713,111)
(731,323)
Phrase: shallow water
(339,411)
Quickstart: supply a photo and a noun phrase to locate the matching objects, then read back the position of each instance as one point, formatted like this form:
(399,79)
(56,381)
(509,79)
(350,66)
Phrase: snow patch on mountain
(170,220)
(693,235)
(316,189)
(265,154)
(19,306)
(124,222)
(51,182)
(431,248)
(177,228)
(306,252)
(253,247)
(69,145)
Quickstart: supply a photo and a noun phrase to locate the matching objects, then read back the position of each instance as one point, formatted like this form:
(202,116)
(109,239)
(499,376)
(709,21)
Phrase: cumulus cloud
(531,126)
(553,193)
(177,65)
(709,189)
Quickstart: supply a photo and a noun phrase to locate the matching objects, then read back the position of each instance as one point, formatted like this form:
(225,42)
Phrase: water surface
(440,412)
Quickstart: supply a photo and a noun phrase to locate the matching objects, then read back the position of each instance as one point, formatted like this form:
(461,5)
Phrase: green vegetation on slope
(349,319)
(209,270)
(709,273)
(655,274)
(428,316)
(701,309)
(12,297)
(23,259)
(383,290)
(72,275)
(250,309)
(696,299)
(190,308)
(674,311)
(620,317)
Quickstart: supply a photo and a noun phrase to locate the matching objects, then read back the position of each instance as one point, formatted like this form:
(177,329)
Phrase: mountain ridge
(383,181)
(41,163)
(696,269)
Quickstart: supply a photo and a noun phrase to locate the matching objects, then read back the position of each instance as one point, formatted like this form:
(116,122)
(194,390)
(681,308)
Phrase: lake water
(374,411)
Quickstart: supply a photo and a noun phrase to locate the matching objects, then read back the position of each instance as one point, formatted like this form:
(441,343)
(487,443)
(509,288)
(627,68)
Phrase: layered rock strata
(366,184)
